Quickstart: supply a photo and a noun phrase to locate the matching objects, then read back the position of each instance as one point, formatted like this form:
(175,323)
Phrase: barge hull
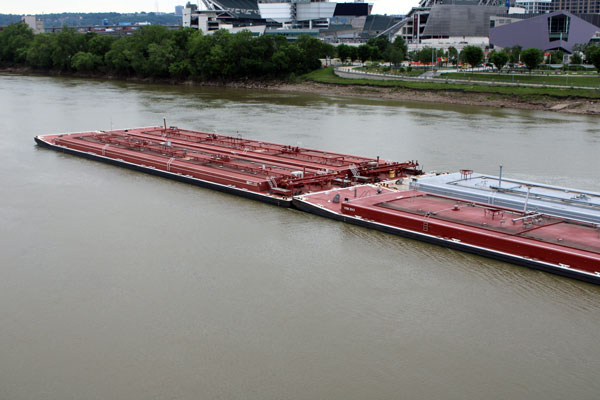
(268,172)
(480,251)
(286,203)
(314,204)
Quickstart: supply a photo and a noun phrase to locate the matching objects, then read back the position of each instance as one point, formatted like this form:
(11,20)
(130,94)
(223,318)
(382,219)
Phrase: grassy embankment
(326,75)
(590,80)
(403,72)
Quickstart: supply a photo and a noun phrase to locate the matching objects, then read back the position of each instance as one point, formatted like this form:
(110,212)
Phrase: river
(120,285)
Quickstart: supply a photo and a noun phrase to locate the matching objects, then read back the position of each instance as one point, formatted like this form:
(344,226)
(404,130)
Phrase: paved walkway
(350,72)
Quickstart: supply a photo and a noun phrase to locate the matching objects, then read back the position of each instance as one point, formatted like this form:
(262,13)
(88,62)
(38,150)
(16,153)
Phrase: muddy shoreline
(571,106)
(566,105)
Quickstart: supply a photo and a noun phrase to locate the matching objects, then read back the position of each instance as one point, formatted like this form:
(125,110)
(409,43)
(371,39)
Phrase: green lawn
(326,75)
(564,80)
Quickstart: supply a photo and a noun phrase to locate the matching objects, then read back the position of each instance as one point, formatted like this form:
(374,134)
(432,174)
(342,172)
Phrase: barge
(269,172)
(553,244)
(513,193)
(547,228)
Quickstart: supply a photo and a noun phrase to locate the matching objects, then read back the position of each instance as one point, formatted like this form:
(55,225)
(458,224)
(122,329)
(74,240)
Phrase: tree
(98,45)
(472,55)
(453,55)
(413,55)
(85,62)
(313,50)
(64,46)
(365,52)
(353,53)
(181,69)
(555,57)
(160,56)
(514,53)
(499,59)
(576,58)
(14,43)
(579,47)
(594,57)
(118,58)
(39,53)
(587,50)
(263,49)
(344,52)
(532,58)
(381,45)
(155,51)
(400,44)
(181,37)
(198,51)
(426,55)
(394,55)
(327,50)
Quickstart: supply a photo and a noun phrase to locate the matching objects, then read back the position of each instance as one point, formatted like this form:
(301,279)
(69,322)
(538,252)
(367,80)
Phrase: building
(576,6)
(535,6)
(354,23)
(445,23)
(557,30)
(179,11)
(376,24)
(353,14)
(34,23)
(208,22)
(232,15)
(234,12)
(330,21)
(311,14)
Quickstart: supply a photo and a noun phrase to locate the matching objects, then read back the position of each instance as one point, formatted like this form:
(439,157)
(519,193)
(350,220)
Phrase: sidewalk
(349,72)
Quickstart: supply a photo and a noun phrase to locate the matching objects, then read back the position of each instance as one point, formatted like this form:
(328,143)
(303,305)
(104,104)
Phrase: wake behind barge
(264,171)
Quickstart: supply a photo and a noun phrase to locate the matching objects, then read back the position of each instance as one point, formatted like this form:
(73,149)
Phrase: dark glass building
(557,30)
(576,6)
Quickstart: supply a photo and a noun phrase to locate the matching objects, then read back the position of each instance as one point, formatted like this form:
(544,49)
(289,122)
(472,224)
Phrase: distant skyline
(168,6)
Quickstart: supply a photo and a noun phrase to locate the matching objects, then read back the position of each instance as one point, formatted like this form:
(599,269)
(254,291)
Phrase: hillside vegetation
(90,19)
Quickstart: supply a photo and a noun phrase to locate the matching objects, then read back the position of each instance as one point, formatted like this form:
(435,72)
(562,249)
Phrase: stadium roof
(379,23)
(460,20)
(239,8)
(355,9)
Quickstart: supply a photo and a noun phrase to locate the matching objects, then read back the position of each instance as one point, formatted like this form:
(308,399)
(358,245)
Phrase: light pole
(432,50)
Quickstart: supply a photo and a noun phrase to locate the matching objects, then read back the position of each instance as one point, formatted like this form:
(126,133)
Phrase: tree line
(157,52)
(381,49)
(533,57)
(376,49)
(90,19)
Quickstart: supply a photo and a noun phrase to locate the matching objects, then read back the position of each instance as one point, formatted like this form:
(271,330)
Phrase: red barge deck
(341,187)
(255,169)
(558,245)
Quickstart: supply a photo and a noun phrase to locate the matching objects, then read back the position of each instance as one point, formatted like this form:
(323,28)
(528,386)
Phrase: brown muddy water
(119,285)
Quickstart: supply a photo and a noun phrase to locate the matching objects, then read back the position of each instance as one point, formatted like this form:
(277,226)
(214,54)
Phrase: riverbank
(571,105)
(529,97)
(563,105)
